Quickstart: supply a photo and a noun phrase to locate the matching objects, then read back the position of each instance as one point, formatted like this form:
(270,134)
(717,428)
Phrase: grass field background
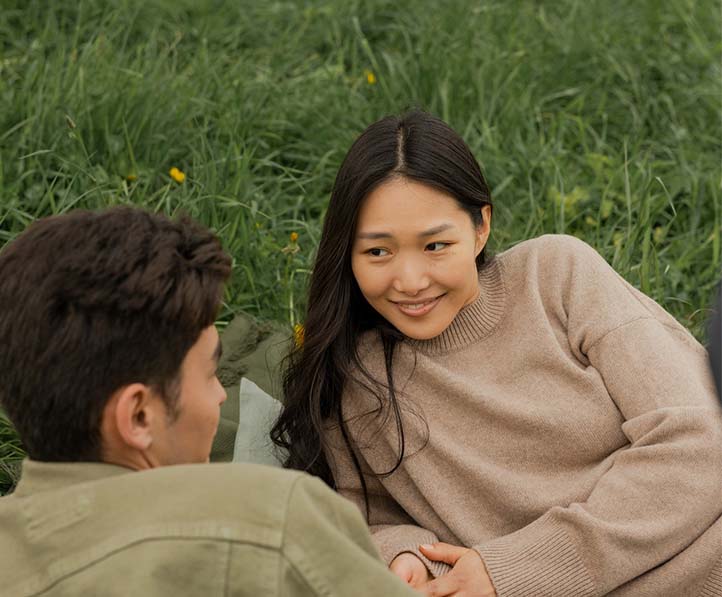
(598,119)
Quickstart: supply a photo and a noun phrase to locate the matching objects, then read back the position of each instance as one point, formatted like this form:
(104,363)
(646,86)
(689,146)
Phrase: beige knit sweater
(564,426)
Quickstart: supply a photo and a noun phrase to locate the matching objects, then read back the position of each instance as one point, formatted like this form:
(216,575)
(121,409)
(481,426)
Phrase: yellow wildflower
(292,247)
(607,207)
(658,234)
(370,77)
(298,333)
(131,177)
(177,175)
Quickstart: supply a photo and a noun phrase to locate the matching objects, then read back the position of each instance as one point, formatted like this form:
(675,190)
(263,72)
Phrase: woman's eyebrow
(425,233)
(435,230)
(373,235)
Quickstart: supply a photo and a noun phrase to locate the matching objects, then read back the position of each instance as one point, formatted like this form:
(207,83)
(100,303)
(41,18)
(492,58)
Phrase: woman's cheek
(374,289)
(363,281)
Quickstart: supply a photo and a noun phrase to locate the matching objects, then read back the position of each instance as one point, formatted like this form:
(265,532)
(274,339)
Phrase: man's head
(107,342)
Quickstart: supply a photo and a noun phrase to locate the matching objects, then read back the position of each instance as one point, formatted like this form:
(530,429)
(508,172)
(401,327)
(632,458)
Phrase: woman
(554,427)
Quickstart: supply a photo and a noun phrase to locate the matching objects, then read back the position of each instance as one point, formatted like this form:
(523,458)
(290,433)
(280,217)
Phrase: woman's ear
(483,230)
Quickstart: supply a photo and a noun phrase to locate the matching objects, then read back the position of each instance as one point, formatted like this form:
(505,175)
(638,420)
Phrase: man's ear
(135,410)
(484,229)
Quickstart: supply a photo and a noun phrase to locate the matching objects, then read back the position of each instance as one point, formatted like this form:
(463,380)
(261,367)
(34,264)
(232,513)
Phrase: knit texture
(564,426)
(713,586)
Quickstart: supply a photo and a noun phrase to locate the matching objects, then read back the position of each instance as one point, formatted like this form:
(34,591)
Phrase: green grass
(599,119)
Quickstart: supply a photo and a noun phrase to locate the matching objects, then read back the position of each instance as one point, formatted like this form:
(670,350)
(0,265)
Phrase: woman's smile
(417,308)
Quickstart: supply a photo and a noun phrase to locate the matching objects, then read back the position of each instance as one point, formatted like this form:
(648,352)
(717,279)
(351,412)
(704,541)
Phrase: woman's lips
(418,309)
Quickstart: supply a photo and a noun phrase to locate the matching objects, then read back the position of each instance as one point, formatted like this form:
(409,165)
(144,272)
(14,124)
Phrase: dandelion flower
(131,177)
(292,247)
(370,77)
(177,175)
(298,333)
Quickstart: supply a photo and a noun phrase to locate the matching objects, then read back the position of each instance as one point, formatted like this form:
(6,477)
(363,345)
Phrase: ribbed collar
(475,321)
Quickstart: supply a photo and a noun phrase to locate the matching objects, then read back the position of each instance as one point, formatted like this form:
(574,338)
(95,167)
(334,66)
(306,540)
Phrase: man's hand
(410,569)
(468,577)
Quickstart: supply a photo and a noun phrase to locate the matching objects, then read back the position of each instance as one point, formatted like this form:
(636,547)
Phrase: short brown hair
(93,301)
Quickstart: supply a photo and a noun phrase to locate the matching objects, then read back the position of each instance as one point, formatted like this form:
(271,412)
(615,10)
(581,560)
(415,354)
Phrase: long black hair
(416,146)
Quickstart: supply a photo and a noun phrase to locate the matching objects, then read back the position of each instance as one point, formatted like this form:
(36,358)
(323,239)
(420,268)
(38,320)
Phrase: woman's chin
(423,331)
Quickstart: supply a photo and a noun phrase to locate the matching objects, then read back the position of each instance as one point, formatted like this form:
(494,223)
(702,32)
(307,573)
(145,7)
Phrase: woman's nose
(411,277)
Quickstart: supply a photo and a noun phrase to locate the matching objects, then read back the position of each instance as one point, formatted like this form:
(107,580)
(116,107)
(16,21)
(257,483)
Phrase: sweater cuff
(539,559)
(436,569)
(394,540)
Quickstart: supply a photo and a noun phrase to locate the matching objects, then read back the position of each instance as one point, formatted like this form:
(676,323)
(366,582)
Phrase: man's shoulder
(151,521)
(230,500)
(221,476)
(221,483)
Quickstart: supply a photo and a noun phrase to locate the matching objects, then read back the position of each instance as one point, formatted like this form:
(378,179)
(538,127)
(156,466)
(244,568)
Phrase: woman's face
(414,256)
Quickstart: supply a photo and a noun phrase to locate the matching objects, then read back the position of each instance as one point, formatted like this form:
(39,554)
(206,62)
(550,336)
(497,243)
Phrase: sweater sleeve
(394,532)
(663,490)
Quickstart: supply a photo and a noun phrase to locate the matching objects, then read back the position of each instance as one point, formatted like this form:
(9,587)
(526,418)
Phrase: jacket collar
(44,476)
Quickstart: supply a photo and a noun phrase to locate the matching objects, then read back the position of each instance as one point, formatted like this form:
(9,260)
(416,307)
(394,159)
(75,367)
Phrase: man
(108,355)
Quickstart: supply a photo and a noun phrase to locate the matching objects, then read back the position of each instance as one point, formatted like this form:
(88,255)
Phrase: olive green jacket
(205,529)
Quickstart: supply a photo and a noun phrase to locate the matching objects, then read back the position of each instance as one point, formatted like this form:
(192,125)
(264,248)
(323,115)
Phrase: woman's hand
(468,577)
(410,569)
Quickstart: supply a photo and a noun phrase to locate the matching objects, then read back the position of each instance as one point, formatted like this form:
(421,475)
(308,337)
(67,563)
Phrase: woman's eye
(436,246)
(377,252)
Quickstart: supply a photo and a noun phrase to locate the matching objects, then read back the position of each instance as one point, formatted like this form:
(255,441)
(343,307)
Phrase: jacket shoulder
(239,497)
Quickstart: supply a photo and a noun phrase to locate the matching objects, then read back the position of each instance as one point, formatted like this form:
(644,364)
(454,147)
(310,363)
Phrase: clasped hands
(467,578)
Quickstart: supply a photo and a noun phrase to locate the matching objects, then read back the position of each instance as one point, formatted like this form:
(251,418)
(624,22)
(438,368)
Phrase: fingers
(443,552)
(403,573)
(410,569)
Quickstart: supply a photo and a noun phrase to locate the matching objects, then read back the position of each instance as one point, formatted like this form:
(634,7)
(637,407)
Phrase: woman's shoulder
(566,271)
(551,248)
(555,258)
